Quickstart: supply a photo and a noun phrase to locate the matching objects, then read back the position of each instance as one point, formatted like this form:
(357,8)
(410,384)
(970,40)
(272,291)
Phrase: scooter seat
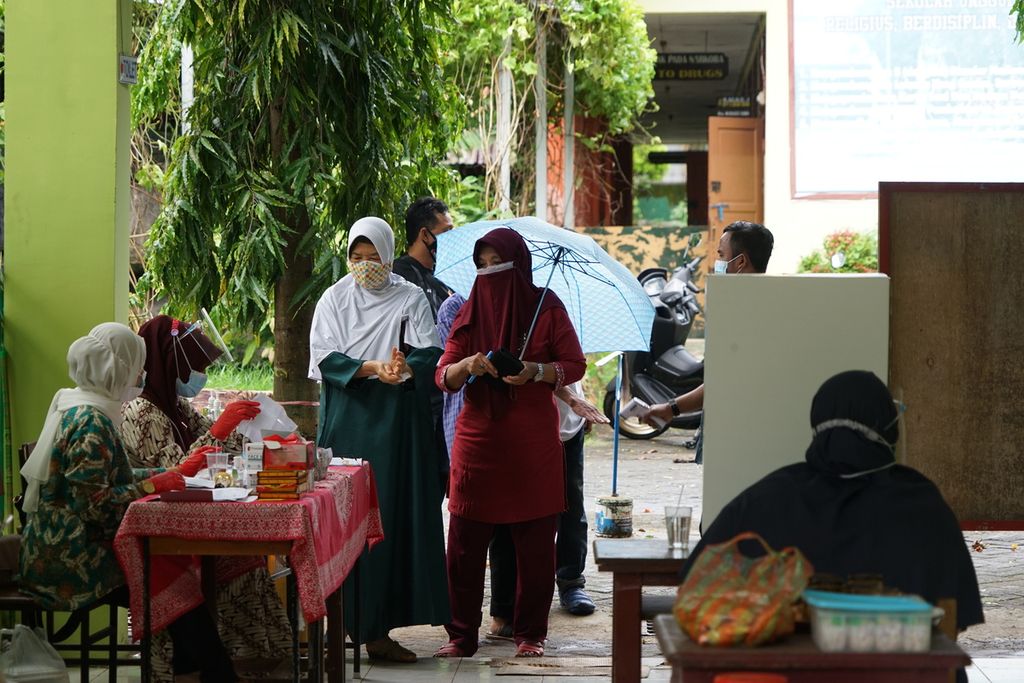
(651,390)
(678,362)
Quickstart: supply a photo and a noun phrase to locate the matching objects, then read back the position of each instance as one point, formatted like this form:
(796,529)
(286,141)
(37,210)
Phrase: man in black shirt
(424,221)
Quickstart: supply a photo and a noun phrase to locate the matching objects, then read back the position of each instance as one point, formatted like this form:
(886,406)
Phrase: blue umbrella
(607,305)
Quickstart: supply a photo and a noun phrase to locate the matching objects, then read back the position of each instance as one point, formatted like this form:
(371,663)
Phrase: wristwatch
(675,407)
(539,377)
(148,486)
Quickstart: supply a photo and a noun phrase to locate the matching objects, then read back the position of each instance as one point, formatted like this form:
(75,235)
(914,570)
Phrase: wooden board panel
(955,253)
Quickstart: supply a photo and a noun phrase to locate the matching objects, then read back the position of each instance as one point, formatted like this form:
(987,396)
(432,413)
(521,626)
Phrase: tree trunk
(291,323)
(291,332)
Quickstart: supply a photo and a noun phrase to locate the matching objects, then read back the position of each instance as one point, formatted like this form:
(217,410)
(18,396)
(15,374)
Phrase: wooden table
(801,661)
(634,563)
(323,534)
(209,551)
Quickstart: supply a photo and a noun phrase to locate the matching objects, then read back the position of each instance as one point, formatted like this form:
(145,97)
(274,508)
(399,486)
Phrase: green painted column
(67,194)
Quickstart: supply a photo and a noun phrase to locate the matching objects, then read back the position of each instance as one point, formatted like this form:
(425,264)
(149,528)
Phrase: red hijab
(172,356)
(500,308)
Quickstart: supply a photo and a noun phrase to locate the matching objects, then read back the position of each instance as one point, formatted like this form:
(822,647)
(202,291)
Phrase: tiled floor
(441,670)
(984,670)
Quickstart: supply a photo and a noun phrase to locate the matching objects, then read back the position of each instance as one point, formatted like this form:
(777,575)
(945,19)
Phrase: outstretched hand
(588,411)
(660,411)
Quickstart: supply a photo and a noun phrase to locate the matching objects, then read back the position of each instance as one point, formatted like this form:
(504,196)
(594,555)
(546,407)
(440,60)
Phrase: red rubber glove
(234,413)
(196,460)
(165,481)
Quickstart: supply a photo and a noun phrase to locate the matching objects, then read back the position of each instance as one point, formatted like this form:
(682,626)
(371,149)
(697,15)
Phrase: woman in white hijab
(373,348)
(79,486)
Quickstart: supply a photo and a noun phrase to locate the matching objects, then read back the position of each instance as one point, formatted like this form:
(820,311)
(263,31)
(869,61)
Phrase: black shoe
(576,602)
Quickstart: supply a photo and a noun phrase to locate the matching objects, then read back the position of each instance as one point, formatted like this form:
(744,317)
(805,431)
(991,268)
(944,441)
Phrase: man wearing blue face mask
(745,247)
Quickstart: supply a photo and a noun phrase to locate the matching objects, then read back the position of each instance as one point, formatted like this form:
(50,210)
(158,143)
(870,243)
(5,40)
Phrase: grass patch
(597,378)
(255,377)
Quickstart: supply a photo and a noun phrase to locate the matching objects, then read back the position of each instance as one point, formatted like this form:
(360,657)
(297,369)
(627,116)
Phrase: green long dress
(402,581)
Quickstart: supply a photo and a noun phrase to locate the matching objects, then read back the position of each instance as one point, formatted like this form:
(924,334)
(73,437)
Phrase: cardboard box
(300,455)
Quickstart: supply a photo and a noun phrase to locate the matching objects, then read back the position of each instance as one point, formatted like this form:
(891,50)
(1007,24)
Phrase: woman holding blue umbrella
(507,464)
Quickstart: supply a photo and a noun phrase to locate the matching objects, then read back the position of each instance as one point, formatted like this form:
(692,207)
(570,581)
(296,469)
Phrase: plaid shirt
(452,402)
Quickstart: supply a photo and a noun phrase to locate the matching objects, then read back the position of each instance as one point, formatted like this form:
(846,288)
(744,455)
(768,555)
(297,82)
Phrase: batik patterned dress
(250,617)
(67,553)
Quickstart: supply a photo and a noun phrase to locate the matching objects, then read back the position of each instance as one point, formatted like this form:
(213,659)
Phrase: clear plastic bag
(26,657)
(272,419)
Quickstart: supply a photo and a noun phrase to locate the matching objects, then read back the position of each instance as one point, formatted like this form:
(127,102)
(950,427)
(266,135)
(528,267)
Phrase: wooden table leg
(293,618)
(335,638)
(208,578)
(147,640)
(625,628)
(355,617)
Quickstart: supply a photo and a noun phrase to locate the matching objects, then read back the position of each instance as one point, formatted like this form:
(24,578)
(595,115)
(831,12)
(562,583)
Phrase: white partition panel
(771,342)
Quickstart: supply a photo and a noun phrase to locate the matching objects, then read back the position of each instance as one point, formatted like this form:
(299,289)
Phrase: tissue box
(298,455)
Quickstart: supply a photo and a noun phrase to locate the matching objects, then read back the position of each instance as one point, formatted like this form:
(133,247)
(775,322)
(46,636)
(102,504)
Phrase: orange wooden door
(735,174)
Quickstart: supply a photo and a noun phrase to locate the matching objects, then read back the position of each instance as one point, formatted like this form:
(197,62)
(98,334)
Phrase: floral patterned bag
(731,599)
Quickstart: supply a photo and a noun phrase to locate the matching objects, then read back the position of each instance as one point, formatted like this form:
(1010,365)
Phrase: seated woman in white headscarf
(79,486)
(374,347)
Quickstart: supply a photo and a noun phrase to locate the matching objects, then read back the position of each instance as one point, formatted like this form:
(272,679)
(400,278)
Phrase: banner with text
(905,90)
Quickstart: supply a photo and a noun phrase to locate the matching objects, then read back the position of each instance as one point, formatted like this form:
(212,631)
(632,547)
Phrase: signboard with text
(691,66)
(905,90)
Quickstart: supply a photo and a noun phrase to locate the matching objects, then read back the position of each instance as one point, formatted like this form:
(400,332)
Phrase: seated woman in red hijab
(507,465)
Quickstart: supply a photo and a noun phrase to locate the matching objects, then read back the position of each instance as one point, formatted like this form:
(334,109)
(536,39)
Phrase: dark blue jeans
(570,545)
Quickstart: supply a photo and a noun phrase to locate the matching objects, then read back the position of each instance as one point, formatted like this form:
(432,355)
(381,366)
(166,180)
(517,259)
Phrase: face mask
(491,270)
(191,388)
(432,247)
(865,431)
(722,267)
(132,393)
(370,274)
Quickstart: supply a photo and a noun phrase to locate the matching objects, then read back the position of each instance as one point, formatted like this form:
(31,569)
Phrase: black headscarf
(858,404)
(890,520)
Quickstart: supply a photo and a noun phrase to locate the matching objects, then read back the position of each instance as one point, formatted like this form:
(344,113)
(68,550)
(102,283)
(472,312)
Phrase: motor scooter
(668,369)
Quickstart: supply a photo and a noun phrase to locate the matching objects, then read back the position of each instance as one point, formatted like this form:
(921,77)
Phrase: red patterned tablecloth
(328,527)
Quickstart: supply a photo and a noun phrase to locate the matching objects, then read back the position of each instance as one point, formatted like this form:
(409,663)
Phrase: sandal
(450,649)
(503,633)
(389,650)
(530,648)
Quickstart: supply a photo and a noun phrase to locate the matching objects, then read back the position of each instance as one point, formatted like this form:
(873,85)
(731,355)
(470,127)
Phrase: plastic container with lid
(841,622)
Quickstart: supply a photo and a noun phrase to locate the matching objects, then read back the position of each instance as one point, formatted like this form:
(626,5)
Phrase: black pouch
(506,364)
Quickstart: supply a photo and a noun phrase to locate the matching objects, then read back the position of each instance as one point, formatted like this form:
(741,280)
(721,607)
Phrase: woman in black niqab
(851,509)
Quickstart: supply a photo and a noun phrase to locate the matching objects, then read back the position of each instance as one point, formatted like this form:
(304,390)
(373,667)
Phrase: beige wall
(843,323)
(799,225)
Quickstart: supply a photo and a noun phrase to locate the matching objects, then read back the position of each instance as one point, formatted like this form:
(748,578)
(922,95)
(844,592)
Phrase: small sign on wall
(734,106)
(691,66)
(128,70)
